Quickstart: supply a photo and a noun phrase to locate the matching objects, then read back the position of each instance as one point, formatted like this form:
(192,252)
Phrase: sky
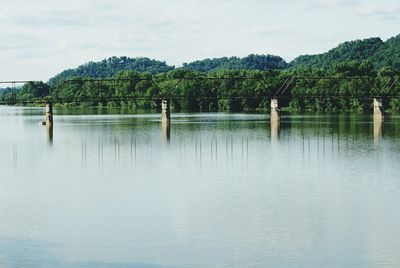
(41,38)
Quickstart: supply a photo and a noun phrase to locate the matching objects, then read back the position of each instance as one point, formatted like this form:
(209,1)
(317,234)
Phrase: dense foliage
(388,54)
(358,50)
(9,95)
(251,62)
(311,92)
(111,66)
(382,54)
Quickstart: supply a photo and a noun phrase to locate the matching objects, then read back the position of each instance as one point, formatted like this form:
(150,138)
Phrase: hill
(251,62)
(358,50)
(388,54)
(381,54)
(111,66)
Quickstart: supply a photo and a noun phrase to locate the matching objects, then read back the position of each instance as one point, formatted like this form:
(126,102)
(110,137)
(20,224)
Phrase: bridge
(274,94)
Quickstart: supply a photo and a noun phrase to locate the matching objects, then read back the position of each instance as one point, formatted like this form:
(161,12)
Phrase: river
(116,189)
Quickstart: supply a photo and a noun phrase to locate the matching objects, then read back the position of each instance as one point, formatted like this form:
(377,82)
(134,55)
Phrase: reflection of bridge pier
(49,133)
(275,129)
(378,126)
(166,131)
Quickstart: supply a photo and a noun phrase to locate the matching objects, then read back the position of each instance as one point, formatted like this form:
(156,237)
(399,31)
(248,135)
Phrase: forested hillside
(388,54)
(358,50)
(111,66)
(381,54)
(251,62)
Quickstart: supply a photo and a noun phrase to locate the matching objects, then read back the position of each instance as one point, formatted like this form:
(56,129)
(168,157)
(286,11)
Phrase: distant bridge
(278,93)
(273,93)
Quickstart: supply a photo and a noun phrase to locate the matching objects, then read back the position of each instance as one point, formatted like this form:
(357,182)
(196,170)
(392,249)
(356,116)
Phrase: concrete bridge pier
(275,111)
(49,114)
(165,112)
(378,108)
(378,121)
(275,120)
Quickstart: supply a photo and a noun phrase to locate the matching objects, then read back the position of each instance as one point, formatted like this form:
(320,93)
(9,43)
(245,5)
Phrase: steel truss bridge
(274,92)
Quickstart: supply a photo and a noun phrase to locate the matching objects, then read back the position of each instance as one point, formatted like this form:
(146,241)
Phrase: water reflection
(275,129)
(38,254)
(317,135)
(133,149)
(166,130)
(378,123)
(49,133)
(15,156)
(219,195)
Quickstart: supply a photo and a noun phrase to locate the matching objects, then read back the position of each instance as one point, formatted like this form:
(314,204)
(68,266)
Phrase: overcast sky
(43,37)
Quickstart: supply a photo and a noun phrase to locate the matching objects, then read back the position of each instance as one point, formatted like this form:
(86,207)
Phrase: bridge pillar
(378,121)
(275,111)
(49,114)
(378,108)
(165,112)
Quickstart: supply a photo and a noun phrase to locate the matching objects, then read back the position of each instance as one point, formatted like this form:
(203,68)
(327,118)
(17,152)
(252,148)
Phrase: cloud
(17,45)
(64,34)
(379,11)
(276,33)
(318,5)
(39,16)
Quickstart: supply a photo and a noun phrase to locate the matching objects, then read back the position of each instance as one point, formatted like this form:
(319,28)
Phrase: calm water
(219,190)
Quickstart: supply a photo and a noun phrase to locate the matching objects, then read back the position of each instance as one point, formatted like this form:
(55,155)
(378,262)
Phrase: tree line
(224,92)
